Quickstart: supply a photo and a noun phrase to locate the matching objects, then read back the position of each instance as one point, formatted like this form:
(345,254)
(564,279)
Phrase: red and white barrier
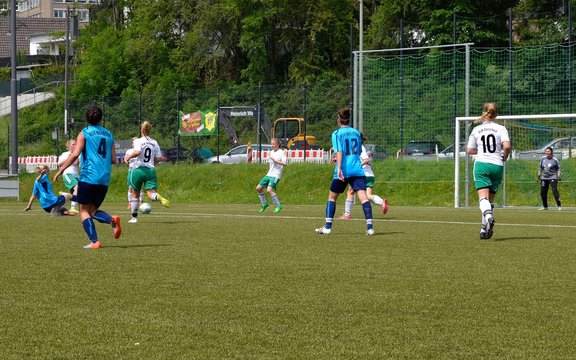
(318,156)
(29,163)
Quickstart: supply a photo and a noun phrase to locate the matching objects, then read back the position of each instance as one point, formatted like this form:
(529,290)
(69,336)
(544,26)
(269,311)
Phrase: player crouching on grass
(276,161)
(50,202)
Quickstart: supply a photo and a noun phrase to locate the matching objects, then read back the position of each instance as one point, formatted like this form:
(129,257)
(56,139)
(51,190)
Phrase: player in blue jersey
(347,145)
(95,147)
(50,202)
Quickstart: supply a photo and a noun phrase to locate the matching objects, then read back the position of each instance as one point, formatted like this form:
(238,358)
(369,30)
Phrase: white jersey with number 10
(487,139)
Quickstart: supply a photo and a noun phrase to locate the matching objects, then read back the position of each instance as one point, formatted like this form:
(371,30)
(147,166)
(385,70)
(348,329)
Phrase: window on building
(60,13)
(83,15)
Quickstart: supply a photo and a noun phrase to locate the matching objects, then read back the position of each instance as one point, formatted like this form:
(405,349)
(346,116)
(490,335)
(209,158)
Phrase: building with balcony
(55,9)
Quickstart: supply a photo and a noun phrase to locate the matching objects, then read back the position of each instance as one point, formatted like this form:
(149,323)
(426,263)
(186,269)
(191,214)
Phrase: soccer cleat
(278,208)
(133,220)
(72,211)
(263,207)
(559,208)
(163,201)
(543,208)
(385,206)
(490,227)
(370,232)
(95,245)
(345,216)
(323,231)
(116,228)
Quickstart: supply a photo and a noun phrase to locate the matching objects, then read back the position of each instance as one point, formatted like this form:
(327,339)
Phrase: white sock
(154,197)
(129,195)
(74,204)
(348,206)
(377,200)
(262,198)
(275,200)
(134,207)
(485,208)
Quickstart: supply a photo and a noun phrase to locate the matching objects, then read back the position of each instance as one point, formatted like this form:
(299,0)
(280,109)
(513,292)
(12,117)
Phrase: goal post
(528,134)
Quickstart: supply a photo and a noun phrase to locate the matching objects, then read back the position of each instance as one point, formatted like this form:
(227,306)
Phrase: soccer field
(200,281)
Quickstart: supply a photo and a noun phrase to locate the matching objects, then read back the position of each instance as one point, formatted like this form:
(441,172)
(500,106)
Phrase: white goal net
(530,135)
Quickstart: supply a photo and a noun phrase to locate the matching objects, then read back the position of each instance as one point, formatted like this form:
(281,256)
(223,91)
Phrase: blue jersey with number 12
(349,141)
(96,158)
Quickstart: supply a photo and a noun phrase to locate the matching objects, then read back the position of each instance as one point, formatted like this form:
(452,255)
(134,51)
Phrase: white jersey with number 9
(149,150)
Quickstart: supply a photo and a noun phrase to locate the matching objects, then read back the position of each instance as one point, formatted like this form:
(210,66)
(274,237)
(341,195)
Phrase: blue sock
(367,208)
(330,211)
(103,217)
(90,230)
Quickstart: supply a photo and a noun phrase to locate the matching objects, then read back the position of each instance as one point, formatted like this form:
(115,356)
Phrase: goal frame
(457,123)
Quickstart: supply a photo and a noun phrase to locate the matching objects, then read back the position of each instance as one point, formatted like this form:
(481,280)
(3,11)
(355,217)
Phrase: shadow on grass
(134,246)
(522,238)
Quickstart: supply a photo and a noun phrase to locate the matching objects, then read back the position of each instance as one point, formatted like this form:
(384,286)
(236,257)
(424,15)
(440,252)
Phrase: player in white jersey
(70,175)
(276,161)
(131,166)
(143,177)
(370,181)
(490,143)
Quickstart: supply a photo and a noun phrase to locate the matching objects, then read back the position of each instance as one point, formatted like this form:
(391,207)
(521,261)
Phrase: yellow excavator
(291,134)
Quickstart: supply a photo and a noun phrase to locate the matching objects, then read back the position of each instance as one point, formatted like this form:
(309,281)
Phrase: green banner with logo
(199,123)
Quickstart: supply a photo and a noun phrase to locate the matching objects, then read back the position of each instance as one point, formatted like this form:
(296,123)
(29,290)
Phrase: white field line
(321,219)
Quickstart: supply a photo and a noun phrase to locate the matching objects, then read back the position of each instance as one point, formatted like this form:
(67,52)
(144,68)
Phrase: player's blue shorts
(356,182)
(61,201)
(91,193)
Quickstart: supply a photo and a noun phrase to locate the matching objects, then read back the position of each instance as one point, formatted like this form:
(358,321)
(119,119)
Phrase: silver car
(561,146)
(237,155)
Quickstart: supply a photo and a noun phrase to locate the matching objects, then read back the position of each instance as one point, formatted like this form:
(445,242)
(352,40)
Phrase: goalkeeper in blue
(347,145)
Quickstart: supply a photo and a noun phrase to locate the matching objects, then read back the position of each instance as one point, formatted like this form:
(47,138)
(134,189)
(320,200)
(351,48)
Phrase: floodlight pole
(67,54)
(13,91)
(360,116)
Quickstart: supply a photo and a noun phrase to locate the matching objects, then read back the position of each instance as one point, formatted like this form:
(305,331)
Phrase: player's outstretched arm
(29,206)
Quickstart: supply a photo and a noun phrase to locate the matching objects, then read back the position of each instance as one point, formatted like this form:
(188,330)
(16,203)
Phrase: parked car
(561,146)
(375,152)
(236,155)
(173,155)
(448,153)
(423,150)
(423,147)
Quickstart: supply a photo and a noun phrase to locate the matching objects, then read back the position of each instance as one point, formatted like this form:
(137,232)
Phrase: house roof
(26,27)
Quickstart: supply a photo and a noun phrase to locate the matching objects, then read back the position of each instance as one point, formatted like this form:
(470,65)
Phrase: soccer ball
(145,208)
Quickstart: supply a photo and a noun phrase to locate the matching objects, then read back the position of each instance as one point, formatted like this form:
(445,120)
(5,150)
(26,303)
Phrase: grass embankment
(414,183)
(405,182)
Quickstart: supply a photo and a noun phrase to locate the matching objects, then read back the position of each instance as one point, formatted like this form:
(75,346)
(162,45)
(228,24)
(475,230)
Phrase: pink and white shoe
(345,216)
(385,206)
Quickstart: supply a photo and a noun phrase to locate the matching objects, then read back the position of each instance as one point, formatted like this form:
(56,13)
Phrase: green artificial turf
(215,281)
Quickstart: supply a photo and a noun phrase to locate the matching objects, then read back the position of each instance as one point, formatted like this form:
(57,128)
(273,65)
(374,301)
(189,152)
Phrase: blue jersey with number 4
(96,158)
(349,141)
